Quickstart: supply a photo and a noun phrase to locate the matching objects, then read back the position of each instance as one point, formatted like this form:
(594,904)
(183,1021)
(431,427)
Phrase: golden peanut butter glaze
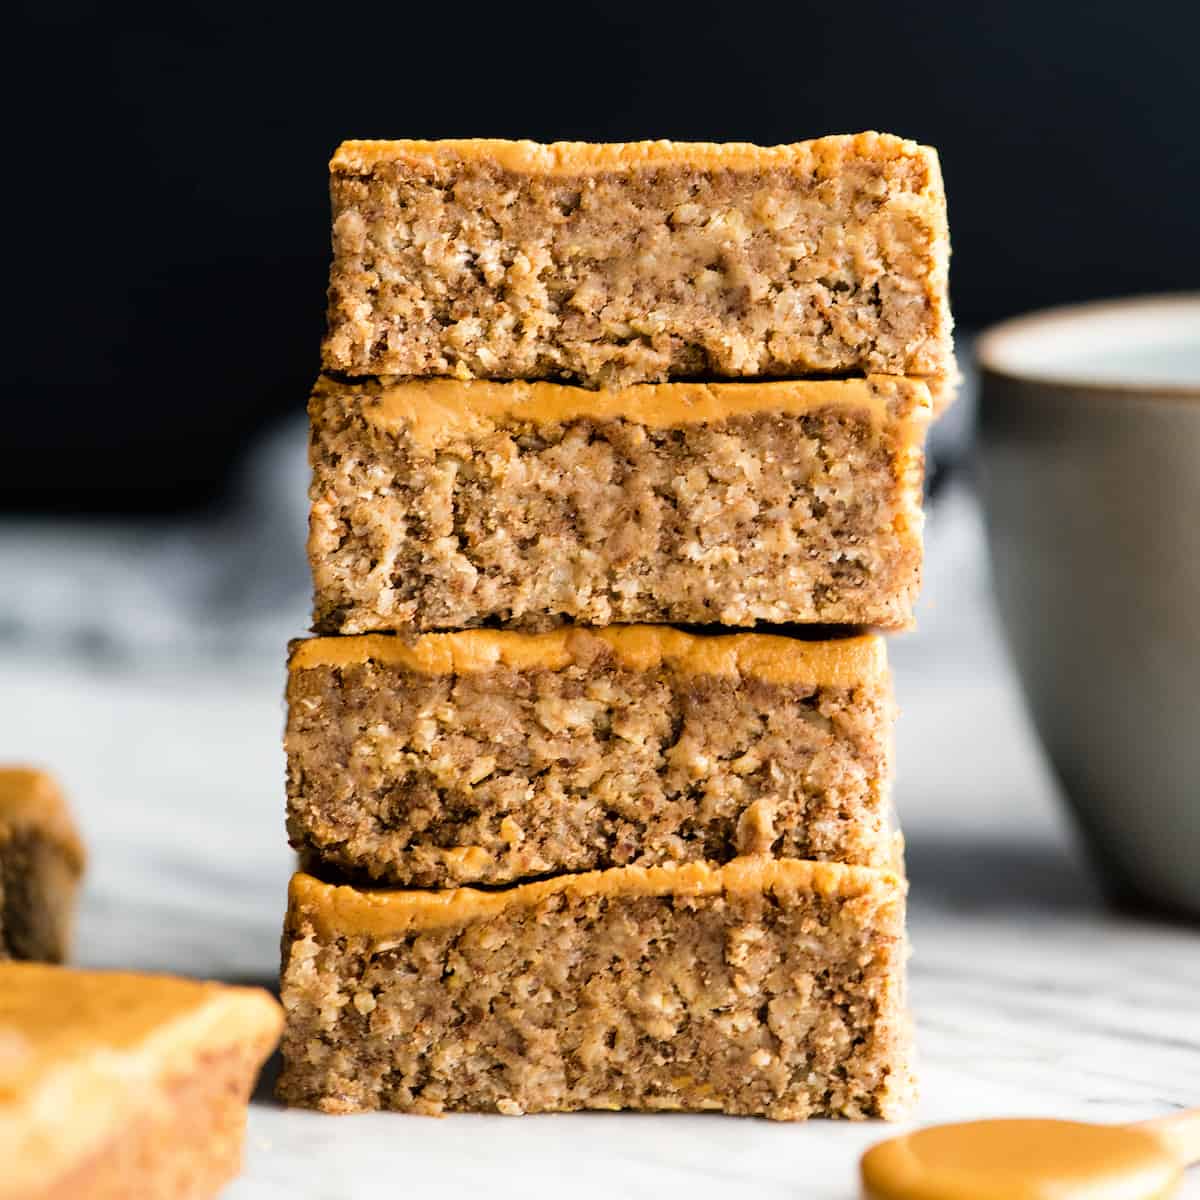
(433,411)
(31,800)
(83,1051)
(1022,1160)
(842,662)
(337,910)
(571,158)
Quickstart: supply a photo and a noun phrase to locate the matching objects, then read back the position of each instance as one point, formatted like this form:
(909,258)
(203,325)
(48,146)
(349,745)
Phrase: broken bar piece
(41,861)
(121,1085)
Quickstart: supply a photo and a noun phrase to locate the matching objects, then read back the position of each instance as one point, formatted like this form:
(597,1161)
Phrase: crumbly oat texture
(488,757)
(443,505)
(764,987)
(41,861)
(617,264)
(115,1085)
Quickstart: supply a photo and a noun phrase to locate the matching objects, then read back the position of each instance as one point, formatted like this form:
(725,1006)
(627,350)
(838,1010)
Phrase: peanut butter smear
(1022,1160)
(817,156)
(842,662)
(434,411)
(340,911)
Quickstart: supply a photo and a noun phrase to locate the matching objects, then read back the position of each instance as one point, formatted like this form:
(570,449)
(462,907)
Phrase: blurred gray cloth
(226,584)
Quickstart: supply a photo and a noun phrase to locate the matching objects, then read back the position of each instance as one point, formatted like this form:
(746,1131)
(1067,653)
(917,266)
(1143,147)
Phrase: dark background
(166,199)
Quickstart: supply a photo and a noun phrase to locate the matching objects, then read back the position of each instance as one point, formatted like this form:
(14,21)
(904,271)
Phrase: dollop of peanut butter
(1022,1160)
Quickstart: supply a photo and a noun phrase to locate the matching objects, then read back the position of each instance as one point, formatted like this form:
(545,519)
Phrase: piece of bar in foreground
(618,264)
(445,505)
(765,987)
(488,756)
(120,1085)
(41,861)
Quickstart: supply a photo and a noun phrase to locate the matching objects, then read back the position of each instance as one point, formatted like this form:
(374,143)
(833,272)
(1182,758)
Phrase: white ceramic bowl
(1090,466)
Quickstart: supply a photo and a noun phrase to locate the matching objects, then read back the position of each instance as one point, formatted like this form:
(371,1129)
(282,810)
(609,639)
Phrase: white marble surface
(1031,998)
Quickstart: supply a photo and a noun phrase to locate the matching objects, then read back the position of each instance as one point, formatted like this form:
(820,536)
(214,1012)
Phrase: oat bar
(443,505)
(119,1085)
(618,264)
(768,987)
(489,756)
(41,860)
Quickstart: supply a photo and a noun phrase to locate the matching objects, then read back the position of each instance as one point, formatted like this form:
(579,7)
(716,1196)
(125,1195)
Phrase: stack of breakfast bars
(570,841)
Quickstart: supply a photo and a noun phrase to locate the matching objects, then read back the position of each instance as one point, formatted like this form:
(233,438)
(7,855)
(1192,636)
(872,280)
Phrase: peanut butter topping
(569,158)
(31,800)
(433,411)
(845,662)
(1022,1160)
(81,1050)
(50,1016)
(336,910)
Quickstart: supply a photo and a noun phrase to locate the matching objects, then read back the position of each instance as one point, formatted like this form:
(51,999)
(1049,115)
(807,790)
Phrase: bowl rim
(991,345)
